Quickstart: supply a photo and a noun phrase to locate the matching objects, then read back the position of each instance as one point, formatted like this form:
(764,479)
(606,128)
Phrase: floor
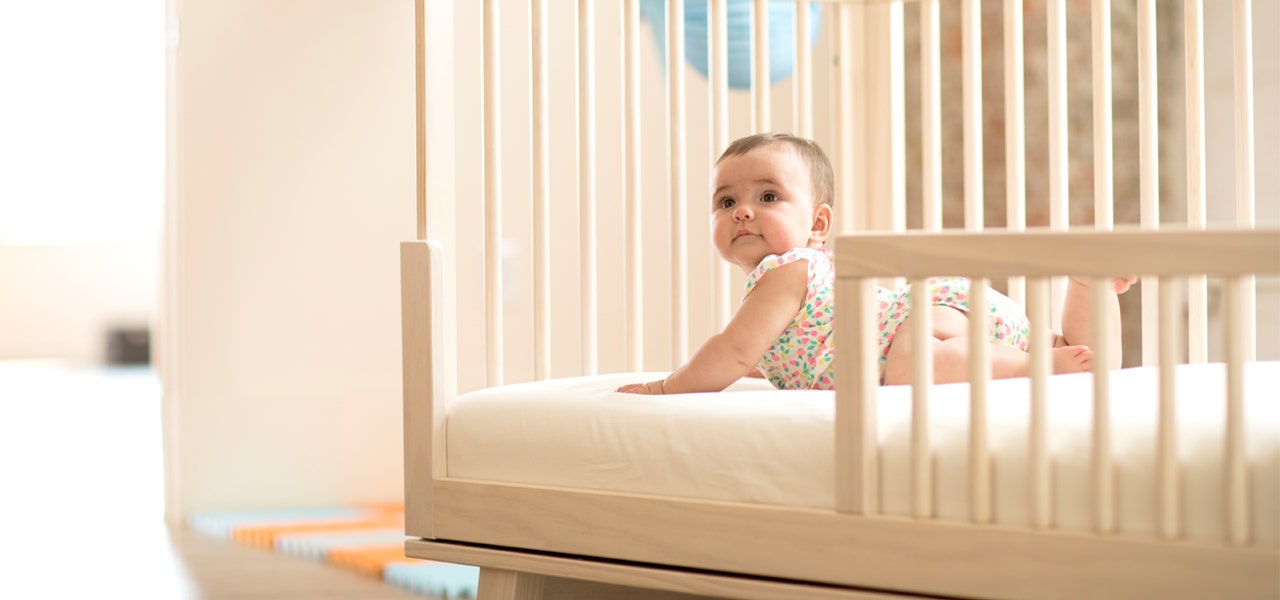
(81,502)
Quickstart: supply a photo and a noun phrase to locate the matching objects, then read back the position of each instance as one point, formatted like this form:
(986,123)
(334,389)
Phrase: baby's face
(761,204)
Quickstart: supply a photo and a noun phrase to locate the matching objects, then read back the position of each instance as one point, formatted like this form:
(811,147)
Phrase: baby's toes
(1085,358)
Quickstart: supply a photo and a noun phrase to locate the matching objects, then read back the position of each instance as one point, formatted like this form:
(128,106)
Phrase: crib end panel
(426,374)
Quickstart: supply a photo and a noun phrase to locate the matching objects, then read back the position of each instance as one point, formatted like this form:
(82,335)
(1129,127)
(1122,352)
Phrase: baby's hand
(652,387)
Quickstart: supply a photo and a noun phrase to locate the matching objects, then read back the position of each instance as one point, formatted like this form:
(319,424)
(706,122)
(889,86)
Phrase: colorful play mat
(367,539)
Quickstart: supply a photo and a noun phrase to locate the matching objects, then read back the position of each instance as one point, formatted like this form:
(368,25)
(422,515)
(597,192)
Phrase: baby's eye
(725,203)
(769,197)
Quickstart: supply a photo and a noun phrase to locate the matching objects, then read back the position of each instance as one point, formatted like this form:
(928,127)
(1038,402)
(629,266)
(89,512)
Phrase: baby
(771,216)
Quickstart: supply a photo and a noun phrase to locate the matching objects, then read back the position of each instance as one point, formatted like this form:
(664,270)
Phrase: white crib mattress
(755,444)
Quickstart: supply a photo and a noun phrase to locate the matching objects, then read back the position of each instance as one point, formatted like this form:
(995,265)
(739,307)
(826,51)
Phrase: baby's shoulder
(815,256)
(820,262)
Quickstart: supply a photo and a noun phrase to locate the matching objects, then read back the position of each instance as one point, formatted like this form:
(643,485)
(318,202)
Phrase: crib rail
(624,116)
(1163,255)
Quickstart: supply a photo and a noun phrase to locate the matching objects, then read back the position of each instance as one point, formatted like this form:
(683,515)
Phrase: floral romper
(1006,321)
(802,356)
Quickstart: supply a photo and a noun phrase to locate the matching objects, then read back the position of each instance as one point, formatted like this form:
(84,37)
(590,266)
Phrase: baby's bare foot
(1072,359)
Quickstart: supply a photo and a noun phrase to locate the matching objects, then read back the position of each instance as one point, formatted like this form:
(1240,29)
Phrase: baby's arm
(765,313)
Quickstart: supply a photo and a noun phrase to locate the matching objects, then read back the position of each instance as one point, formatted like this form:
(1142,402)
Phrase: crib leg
(499,584)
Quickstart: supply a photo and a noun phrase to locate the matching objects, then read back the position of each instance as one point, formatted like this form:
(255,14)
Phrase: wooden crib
(1023,488)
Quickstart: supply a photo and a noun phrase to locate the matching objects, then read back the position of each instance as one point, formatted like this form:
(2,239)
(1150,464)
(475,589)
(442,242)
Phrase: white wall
(58,301)
(292,166)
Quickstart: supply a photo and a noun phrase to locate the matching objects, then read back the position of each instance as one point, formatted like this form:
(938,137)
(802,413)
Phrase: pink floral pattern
(1006,322)
(801,357)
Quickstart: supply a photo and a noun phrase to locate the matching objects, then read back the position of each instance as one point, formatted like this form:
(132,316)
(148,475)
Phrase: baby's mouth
(740,233)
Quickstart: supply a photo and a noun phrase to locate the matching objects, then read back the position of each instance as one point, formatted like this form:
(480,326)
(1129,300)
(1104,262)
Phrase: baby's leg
(950,346)
(1077,317)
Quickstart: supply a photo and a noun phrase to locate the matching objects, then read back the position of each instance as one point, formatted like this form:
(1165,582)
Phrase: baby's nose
(741,213)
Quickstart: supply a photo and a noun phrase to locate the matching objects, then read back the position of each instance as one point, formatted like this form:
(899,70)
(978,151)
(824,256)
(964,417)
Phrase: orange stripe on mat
(264,536)
(371,560)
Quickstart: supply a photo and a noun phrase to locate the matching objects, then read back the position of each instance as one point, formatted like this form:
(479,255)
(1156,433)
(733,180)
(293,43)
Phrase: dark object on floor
(128,346)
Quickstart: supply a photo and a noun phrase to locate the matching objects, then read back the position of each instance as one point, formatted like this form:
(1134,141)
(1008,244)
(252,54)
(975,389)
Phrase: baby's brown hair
(821,175)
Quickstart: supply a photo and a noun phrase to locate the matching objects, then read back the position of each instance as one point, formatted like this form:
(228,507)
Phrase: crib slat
(587,183)
(804,70)
(492,197)
(1149,159)
(677,154)
(930,116)
(1059,145)
(1058,149)
(1197,288)
(979,376)
(846,158)
(1237,482)
(921,379)
(719,53)
(856,439)
(420,116)
(541,194)
(1242,54)
(972,89)
(1167,474)
(1103,471)
(1015,143)
(760,59)
(1103,202)
(632,158)
(1040,369)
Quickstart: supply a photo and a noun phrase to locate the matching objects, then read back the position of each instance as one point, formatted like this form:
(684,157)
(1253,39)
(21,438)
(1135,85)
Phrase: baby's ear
(821,229)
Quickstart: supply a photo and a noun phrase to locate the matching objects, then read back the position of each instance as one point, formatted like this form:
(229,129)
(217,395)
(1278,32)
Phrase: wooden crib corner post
(426,373)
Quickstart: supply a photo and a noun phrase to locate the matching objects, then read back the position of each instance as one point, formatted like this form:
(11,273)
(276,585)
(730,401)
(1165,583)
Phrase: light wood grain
(426,376)
(804,71)
(921,380)
(539,74)
(1102,469)
(722,301)
(1015,144)
(1167,470)
(760,85)
(1246,201)
(979,376)
(501,584)
(1100,14)
(1052,253)
(1149,164)
(678,156)
(844,549)
(652,577)
(420,116)
(930,116)
(492,195)
(971,74)
(856,459)
(587,227)
(634,187)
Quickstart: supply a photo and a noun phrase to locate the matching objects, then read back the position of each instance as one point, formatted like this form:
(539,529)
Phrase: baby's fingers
(634,388)
(1122,284)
